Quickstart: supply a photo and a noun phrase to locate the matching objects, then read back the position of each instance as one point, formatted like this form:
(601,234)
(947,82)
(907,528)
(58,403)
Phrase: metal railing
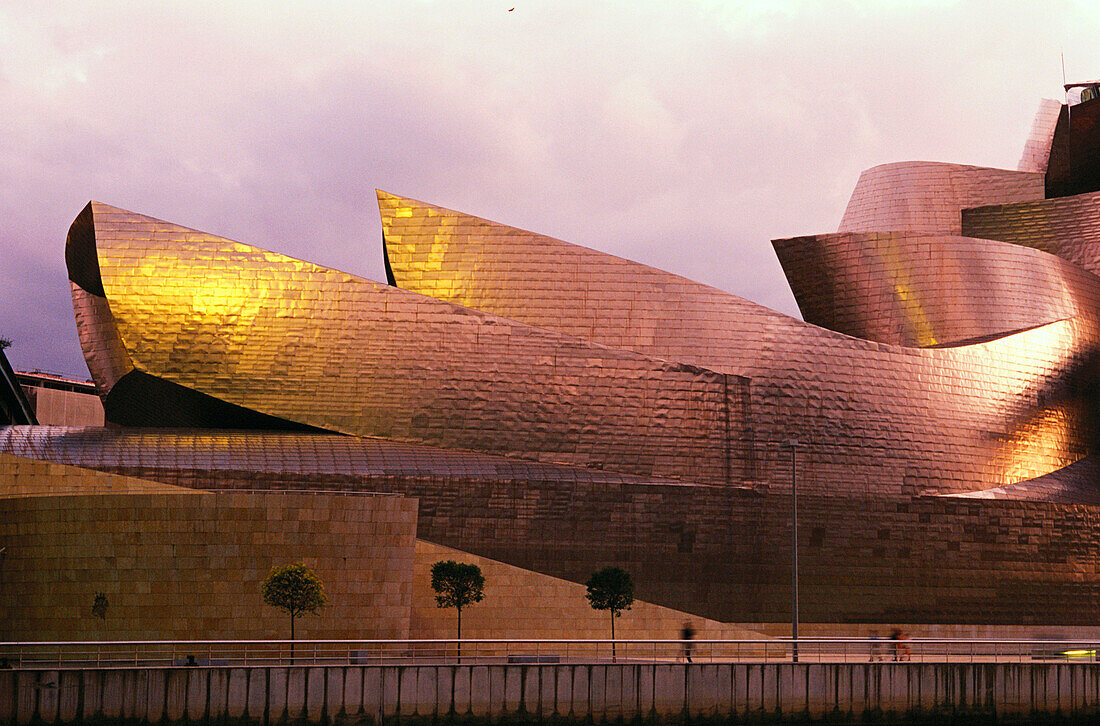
(218,653)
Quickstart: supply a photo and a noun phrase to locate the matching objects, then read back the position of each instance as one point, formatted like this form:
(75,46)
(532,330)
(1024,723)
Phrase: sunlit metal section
(224,334)
(881,418)
(923,290)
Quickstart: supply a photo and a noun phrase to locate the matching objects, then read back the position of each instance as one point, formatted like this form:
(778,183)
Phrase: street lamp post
(793,445)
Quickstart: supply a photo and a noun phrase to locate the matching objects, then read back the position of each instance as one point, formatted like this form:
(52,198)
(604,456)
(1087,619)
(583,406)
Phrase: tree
(296,589)
(457,585)
(610,589)
(100,605)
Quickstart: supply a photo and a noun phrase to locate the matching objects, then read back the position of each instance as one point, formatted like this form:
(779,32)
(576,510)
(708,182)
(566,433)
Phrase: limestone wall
(64,408)
(178,564)
(522,604)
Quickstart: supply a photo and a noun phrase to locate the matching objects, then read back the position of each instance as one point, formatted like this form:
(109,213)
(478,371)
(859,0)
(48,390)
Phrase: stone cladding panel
(178,564)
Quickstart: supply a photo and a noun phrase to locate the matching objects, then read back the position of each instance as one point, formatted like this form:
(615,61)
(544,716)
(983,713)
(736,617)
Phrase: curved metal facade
(929,291)
(215,332)
(927,196)
(529,392)
(880,418)
(1068,227)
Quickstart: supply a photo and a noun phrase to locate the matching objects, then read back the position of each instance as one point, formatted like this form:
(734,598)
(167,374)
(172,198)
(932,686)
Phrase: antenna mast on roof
(1069,117)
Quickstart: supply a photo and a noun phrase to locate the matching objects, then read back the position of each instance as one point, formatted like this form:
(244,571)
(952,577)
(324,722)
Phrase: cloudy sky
(685,135)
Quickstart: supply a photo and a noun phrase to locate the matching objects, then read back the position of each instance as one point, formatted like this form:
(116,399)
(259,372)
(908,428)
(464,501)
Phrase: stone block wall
(177,564)
(723,553)
(21,477)
(64,408)
(524,604)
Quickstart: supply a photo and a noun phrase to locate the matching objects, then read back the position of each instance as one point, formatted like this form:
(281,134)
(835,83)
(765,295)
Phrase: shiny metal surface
(251,453)
(1068,227)
(1074,484)
(877,418)
(925,196)
(918,290)
(305,344)
(949,421)
(1036,153)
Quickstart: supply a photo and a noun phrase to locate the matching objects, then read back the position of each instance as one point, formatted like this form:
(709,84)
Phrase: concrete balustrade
(601,692)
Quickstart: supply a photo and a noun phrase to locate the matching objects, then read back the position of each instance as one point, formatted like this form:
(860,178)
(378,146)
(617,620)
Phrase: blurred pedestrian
(687,634)
(903,647)
(895,642)
(876,647)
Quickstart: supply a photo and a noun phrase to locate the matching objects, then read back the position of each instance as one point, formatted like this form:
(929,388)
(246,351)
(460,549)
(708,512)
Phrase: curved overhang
(104,351)
(931,290)
(1074,484)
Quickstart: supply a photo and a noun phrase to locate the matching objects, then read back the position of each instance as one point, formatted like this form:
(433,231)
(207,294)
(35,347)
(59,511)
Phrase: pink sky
(685,135)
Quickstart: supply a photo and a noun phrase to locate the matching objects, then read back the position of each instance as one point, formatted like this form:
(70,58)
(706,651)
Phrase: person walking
(903,647)
(687,634)
(876,652)
(895,643)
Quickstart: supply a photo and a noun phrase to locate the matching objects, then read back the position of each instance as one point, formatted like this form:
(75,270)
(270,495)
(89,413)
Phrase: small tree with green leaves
(610,589)
(457,585)
(296,589)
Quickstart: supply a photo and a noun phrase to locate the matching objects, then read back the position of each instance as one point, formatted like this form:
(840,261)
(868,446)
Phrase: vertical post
(793,444)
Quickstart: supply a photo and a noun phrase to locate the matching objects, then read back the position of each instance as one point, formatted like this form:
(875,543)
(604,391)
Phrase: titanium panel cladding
(876,417)
(301,343)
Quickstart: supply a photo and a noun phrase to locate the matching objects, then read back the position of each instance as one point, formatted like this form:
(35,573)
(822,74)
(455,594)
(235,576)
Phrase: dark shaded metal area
(139,399)
(81,258)
(1068,227)
(1074,163)
(14,406)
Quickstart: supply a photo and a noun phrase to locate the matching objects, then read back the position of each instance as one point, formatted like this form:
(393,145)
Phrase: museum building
(545,410)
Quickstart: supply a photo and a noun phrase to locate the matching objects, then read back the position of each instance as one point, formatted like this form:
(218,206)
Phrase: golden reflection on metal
(881,418)
(319,347)
(925,290)
(323,348)
(1025,449)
